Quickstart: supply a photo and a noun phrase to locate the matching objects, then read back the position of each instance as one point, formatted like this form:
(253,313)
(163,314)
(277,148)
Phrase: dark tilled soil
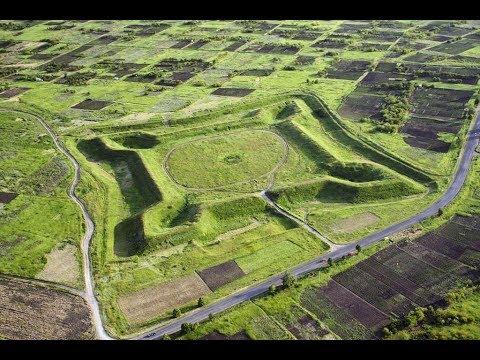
(219,275)
(198,44)
(402,276)
(181,44)
(42,56)
(6,197)
(32,312)
(235,92)
(364,312)
(305,60)
(90,104)
(257,72)
(304,323)
(234,46)
(12,92)
(141,78)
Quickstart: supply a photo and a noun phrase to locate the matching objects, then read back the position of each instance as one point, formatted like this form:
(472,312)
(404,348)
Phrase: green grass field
(172,169)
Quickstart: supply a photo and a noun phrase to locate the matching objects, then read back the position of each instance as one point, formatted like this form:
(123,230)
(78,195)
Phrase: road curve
(250,292)
(89,294)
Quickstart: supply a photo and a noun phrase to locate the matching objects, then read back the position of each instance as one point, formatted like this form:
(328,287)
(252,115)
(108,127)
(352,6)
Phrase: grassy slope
(37,220)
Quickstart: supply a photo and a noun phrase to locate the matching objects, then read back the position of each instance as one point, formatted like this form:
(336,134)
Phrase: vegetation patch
(62,266)
(225,160)
(355,222)
(267,255)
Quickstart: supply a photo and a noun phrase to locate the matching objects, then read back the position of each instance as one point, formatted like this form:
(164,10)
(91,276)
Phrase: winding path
(88,294)
(255,290)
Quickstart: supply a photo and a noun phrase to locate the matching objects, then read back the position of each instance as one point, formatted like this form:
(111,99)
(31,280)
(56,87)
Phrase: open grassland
(42,216)
(228,159)
(179,125)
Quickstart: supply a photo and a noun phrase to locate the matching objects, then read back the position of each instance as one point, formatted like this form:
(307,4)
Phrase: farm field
(38,312)
(215,154)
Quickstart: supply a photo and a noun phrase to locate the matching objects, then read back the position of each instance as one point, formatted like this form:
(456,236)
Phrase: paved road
(262,287)
(88,295)
(321,261)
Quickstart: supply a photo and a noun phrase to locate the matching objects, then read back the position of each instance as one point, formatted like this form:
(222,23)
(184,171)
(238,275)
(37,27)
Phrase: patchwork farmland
(212,156)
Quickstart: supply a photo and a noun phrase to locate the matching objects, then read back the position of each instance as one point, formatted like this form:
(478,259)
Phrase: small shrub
(289,280)
(176,313)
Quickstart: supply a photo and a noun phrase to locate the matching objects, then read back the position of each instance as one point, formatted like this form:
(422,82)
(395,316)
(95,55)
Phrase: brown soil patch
(62,266)
(35,312)
(355,222)
(89,104)
(6,197)
(235,92)
(145,304)
(12,92)
(219,275)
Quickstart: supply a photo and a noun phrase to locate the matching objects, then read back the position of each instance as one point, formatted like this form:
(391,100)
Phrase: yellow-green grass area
(219,161)
(329,218)
(362,55)
(125,97)
(42,216)
(475,52)
(183,228)
(328,189)
(270,316)
(332,91)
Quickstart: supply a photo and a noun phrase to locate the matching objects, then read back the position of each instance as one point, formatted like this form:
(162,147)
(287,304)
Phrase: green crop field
(215,154)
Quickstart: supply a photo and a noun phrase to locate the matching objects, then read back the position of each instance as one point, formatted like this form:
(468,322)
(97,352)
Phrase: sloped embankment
(138,189)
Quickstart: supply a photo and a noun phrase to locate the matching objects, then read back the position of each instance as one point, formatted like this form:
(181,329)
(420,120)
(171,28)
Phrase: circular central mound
(220,161)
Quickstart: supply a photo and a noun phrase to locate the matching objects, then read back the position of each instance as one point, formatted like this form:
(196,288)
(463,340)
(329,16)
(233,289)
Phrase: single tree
(201,302)
(288,280)
(272,289)
(187,327)
(176,313)
(358,248)
(330,261)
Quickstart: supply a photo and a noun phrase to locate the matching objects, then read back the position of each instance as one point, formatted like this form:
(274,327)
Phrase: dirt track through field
(89,294)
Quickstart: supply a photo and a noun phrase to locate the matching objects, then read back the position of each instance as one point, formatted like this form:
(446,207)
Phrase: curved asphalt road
(262,287)
(321,261)
(88,295)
